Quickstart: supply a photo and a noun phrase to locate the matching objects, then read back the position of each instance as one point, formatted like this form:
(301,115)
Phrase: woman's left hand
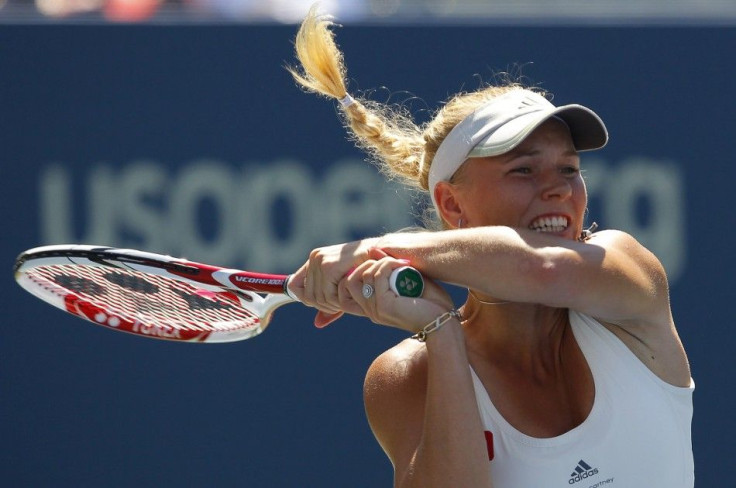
(383,306)
(316,282)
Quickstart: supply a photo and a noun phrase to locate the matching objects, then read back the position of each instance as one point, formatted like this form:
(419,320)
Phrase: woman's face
(537,185)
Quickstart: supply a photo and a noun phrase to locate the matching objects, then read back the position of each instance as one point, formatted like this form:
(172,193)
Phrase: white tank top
(637,434)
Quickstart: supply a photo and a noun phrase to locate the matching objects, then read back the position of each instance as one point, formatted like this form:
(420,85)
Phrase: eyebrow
(518,152)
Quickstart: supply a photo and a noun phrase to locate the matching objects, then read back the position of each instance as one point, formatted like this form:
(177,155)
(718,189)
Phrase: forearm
(611,276)
(497,260)
(500,261)
(452,450)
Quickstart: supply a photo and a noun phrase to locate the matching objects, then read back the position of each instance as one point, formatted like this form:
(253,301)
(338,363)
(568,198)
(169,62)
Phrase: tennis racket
(162,297)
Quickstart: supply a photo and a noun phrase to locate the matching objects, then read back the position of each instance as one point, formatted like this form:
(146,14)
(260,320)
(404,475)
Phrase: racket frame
(245,286)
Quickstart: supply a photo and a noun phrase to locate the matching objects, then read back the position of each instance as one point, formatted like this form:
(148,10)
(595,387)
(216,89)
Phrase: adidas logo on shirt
(582,471)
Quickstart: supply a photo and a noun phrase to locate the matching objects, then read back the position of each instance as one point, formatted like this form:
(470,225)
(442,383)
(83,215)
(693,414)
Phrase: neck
(515,332)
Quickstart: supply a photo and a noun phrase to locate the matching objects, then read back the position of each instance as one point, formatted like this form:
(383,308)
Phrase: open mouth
(556,223)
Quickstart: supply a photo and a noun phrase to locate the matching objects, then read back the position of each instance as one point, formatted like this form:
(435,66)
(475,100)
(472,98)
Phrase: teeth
(549,224)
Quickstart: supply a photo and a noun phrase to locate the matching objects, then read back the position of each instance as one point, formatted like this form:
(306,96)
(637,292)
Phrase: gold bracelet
(436,324)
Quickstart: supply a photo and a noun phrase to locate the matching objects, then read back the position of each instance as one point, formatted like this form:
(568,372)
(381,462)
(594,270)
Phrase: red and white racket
(162,297)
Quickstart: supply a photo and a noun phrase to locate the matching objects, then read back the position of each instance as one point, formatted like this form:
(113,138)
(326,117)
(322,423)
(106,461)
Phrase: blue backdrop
(194,141)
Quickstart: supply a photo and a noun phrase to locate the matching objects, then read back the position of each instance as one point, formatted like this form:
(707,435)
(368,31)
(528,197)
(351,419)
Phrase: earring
(588,232)
(459,223)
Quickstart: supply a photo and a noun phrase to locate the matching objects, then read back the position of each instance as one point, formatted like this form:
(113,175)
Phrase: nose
(555,186)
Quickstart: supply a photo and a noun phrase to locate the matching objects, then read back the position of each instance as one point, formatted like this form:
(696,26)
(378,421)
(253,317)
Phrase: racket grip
(407,282)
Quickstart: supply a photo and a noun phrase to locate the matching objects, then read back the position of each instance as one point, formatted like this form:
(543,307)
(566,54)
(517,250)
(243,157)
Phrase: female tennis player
(563,367)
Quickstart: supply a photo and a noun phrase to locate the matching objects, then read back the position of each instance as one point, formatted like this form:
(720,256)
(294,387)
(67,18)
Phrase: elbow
(541,268)
(546,276)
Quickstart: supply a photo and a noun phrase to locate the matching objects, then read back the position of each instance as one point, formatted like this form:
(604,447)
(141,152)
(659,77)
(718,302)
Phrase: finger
(296,282)
(307,284)
(347,304)
(323,319)
(371,288)
(377,253)
(326,315)
(315,284)
(351,289)
(323,281)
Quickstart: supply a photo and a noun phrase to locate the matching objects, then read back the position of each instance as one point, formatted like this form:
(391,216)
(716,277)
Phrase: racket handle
(404,281)
(407,282)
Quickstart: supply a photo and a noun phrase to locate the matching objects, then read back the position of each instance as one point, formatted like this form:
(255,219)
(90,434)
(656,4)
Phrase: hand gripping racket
(162,297)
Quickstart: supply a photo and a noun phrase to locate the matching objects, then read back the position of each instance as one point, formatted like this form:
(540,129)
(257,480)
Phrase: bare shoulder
(627,245)
(651,334)
(636,277)
(394,394)
(395,375)
(617,240)
(400,363)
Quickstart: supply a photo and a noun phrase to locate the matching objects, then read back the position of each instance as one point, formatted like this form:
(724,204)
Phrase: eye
(524,170)
(570,170)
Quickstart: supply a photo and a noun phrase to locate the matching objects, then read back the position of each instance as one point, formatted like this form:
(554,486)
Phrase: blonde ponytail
(323,71)
(392,138)
(401,149)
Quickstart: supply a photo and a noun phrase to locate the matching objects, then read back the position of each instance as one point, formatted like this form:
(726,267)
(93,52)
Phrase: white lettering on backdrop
(268,217)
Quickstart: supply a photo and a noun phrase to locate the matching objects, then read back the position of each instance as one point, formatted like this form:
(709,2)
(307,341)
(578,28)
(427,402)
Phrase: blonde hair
(400,147)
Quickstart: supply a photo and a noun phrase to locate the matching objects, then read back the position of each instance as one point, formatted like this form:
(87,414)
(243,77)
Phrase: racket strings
(150,299)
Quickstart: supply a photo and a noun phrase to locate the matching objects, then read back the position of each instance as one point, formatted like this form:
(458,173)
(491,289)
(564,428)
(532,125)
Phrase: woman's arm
(419,399)
(422,409)
(610,276)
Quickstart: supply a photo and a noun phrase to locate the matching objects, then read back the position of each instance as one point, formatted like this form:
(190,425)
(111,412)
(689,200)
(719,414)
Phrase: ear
(448,204)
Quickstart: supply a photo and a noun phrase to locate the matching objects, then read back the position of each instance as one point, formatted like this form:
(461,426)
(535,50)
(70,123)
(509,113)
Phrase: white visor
(503,123)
